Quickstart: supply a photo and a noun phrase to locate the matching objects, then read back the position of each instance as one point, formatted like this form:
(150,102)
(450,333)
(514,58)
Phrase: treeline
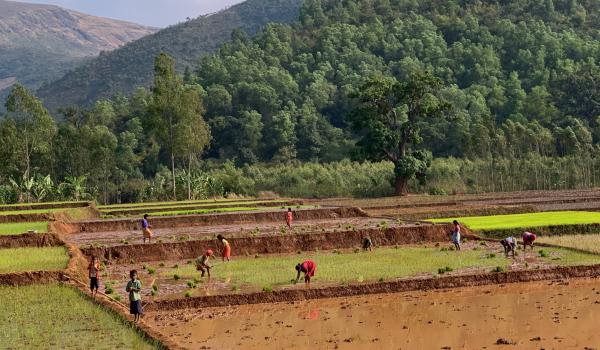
(279,111)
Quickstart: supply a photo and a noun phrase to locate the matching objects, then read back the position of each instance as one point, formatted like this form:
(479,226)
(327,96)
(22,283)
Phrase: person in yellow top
(226,253)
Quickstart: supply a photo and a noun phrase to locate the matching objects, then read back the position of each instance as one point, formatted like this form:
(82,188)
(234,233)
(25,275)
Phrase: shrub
(176,277)
(188,294)
(191,284)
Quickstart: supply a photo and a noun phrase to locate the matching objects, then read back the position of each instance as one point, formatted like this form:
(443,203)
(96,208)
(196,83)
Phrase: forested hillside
(122,70)
(39,43)
(496,95)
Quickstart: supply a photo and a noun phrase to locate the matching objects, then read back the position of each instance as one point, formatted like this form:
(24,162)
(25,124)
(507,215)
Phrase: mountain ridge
(40,42)
(121,70)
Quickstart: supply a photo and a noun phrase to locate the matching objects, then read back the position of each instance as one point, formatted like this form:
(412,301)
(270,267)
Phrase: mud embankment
(39,206)
(213,219)
(379,288)
(13,218)
(30,240)
(189,207)
(274,244)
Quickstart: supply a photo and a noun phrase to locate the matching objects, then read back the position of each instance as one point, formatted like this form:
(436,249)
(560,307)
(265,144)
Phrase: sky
(155,13)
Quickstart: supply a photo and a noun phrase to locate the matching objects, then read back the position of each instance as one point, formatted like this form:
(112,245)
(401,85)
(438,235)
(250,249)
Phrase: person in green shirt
(134,287)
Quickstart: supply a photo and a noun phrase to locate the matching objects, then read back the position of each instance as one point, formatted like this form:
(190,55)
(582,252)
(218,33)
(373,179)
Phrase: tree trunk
(401,188)
(173,173)
(189,177)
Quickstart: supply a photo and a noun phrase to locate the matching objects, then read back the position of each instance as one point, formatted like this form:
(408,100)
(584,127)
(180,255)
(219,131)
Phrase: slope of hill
(41,42)
(132,65)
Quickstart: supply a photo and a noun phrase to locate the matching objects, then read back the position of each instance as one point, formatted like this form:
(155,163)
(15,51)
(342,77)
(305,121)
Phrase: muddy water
(549,315)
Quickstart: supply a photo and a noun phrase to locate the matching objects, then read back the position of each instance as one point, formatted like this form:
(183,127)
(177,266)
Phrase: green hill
(121,70)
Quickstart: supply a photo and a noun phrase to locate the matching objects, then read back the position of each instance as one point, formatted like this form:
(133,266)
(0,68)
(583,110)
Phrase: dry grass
(589,243)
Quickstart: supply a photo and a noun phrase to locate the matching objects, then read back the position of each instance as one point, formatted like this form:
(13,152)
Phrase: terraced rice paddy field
(412,285)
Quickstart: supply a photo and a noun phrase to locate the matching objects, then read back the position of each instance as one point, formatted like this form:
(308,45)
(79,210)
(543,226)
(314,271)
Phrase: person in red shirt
(308,267)
(528,239)
(94,273)
(289,218)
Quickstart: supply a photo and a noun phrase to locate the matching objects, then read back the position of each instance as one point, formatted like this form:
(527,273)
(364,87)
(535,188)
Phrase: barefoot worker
(367,244)
(308,267)
(226,253)
(134,287)
(94,273)
(510,245)
(289,218)
(456,235)
(146,232)
(202,263)
(528,239)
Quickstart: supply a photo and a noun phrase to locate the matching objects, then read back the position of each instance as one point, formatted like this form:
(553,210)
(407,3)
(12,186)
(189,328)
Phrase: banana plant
(24,187)
(42,187)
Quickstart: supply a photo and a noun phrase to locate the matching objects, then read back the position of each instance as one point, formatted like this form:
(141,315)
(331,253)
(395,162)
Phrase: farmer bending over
(367,244)
(309,268)
(509,244)
(456,235)
(202,263)
(528,239)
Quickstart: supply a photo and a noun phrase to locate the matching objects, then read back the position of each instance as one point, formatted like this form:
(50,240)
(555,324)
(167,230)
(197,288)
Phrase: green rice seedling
(267,289)
(498,269)
(176,277)
(33,259)
(188,294)
(151,270)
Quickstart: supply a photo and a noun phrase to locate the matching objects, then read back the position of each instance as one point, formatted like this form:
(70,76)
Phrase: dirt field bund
(531,316)
(217,205)
(37,206)
(30,240)
(177,234)
(215,219)
(408,234)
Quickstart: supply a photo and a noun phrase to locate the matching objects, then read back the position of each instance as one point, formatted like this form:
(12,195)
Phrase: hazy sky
(156,13)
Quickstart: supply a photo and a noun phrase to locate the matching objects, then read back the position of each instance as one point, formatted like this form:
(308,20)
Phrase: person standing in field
(134,287)
(146,232)
(94,273)
(528,239)
(456,234)
(226,253)
(308,267)
(202,263)
(289,218)
(509,244)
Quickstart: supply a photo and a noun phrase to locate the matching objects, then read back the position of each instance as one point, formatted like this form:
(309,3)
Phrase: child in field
(289,218)
(309,268)
(94,273)
(367,244)
(226,253)
(509,244)
(134,287)
(528,239)
(202,263)
(146,232)
(456,235)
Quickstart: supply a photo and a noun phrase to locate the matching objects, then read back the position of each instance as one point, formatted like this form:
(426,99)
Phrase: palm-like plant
(42,187)
(75,186)
(24,187)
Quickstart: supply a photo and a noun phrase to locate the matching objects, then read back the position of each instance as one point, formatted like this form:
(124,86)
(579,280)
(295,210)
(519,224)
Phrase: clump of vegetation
(542,253)
(188,294)
(267,289)
(176,277)
(191,284)
(443,270)
(491,255)
(235,288)
(161,265)
(498,269)
(151,270)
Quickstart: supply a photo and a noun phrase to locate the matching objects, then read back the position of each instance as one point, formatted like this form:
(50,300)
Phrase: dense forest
(489,96)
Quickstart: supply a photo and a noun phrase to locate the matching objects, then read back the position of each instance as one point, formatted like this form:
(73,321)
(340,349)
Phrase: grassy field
(590,243)
(31,211)
(59,317)
(383,263)
(23,227)
(33,259)
(554,218)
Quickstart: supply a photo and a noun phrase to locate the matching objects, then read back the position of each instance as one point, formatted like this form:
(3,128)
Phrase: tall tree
(165,110)
(192,132)
(35,127)
(388,119)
